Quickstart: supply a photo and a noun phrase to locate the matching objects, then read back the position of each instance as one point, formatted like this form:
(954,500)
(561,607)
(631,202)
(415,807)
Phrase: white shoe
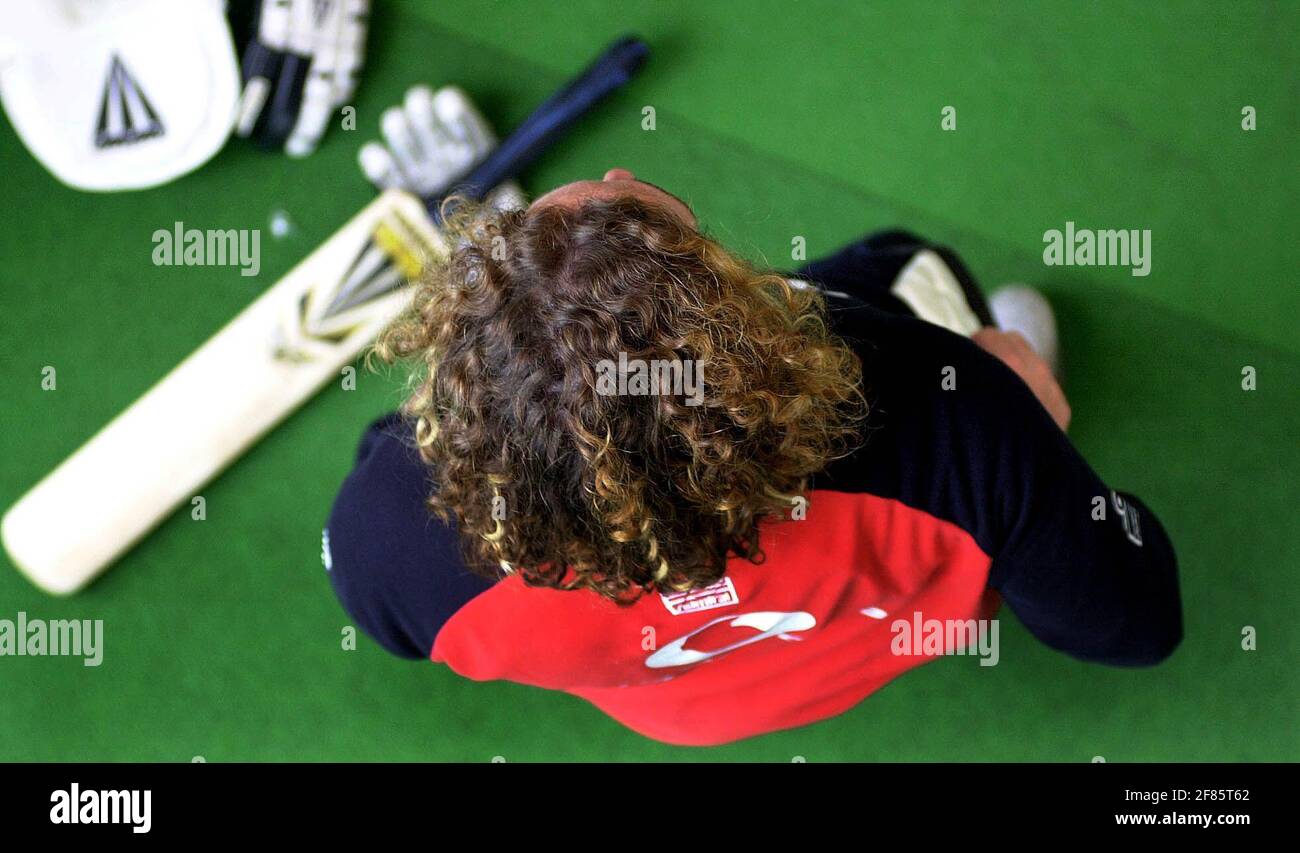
(1020,308)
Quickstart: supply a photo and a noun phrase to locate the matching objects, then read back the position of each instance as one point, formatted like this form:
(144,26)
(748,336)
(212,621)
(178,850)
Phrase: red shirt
(801,637)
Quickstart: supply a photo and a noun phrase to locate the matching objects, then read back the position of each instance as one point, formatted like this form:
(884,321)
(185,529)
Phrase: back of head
(609,399)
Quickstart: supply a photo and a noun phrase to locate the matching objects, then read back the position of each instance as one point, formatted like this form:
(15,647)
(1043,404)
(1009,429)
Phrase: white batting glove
(432,141)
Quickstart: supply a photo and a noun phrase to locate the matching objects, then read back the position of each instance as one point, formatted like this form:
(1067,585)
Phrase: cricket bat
(263,365)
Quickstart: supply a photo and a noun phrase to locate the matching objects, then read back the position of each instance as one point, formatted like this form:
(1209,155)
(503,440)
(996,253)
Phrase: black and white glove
(299,69)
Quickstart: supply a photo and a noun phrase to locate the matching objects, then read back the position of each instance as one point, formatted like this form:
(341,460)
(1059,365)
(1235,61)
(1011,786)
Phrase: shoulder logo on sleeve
(1128,516)
(326,558)
(721,593)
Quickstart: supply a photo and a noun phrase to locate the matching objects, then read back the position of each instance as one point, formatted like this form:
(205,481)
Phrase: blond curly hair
(544,472)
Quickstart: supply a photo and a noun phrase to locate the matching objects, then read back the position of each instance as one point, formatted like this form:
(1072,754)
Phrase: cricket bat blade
(227,394)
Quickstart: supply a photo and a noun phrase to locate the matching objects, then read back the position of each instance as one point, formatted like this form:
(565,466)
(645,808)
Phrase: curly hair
(547,473)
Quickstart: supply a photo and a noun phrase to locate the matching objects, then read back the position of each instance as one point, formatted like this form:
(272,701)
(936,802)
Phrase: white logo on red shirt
(768,623)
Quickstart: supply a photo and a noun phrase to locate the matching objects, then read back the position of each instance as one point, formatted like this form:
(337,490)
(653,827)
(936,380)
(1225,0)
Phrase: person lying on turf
(736,544)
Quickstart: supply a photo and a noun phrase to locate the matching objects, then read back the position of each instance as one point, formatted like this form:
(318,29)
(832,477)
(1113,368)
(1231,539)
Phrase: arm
(1129,556)
(1089,571)
(396,570)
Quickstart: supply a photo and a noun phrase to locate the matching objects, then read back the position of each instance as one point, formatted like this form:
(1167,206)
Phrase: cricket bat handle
(608,73)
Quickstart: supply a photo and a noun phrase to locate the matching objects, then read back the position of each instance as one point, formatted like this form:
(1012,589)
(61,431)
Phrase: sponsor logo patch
(718,594)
